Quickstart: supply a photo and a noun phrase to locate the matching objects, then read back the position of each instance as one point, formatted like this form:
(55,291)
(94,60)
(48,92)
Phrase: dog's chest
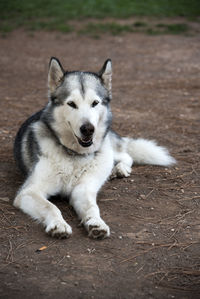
(70,169)
(64,171)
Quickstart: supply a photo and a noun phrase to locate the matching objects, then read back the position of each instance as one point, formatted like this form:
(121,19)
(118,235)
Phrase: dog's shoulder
(26,125)
(25,141)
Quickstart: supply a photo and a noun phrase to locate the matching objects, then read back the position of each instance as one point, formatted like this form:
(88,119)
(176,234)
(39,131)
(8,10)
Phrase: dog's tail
(145,151)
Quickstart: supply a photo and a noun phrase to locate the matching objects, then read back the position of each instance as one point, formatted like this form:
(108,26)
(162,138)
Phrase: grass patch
(140,24)
(176,28)
(16,13)
(161,28)
(49,25)
(96,29)
(6,27)
(76,9)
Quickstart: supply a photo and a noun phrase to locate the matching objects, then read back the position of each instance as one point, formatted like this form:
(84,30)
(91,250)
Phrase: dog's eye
(72,104)
(95,103)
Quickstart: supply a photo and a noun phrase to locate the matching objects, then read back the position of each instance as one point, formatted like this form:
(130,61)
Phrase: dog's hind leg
(122,160)
(140,151)
(32,199)
(123,163)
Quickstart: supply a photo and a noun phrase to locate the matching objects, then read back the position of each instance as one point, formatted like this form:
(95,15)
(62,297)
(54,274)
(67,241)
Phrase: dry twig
(156,246)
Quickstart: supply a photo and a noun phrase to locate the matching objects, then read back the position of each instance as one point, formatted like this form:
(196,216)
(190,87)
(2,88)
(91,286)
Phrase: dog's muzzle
(87,131)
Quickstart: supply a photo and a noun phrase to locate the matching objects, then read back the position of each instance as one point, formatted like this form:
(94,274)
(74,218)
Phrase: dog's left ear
(106,75)
(55,75)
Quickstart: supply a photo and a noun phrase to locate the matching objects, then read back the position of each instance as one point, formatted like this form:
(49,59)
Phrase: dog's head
(81,100)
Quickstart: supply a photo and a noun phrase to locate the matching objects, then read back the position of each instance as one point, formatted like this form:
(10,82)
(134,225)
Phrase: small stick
(41,249)
(155,247)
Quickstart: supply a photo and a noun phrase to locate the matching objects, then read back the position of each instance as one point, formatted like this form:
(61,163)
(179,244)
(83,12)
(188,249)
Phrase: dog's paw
(121,170)
(59,229)
(97,229)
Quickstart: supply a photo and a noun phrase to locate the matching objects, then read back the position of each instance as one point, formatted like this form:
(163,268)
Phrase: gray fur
(69,148)
(32,146)
(26,144)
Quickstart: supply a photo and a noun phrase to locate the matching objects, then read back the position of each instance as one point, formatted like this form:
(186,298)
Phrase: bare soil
(154,216)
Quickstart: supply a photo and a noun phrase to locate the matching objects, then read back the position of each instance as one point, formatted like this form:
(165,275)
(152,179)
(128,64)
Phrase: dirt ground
(154,216)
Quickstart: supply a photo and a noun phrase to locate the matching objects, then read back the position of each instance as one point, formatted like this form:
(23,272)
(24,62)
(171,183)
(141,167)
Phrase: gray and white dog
(68,148)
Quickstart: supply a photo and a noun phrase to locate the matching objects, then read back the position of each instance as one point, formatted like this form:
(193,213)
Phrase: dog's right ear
(106,75)
(55,75)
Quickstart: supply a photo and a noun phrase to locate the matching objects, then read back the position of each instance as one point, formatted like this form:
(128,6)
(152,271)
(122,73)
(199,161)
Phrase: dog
(68,148)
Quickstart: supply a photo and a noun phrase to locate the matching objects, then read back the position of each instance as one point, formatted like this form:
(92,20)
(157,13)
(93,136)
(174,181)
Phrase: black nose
(87,129)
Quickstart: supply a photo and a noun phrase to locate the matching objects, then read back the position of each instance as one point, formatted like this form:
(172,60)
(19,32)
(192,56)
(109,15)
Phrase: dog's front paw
(59,229)
(121,170)
(97,229)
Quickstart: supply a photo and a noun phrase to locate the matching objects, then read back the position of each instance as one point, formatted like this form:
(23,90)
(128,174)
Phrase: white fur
(80,175)
(148,152)
(80,178)
(53,174)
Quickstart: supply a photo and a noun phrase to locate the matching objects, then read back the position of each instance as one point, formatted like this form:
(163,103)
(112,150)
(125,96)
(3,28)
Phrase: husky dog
(68,148)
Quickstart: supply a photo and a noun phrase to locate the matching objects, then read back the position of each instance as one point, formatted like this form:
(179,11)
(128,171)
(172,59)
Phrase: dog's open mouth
(85,142)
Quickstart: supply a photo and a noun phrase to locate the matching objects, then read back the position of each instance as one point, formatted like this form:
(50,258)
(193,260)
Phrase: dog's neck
(72,152)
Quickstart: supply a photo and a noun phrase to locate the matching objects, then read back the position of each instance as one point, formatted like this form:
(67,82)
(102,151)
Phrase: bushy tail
(148,152)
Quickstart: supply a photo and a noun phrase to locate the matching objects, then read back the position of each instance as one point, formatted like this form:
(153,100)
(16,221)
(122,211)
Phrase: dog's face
(81,105)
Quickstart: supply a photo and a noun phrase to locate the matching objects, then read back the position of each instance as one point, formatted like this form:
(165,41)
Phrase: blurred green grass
(55,14)
(97,29)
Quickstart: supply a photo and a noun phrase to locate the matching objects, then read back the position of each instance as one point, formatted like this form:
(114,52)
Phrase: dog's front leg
(32,200)
(83,200)
(38,207)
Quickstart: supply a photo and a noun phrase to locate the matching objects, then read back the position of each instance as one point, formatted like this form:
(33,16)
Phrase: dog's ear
(55,75)
(106,75)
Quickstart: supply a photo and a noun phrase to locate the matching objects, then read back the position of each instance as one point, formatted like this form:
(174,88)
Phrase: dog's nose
(87,129)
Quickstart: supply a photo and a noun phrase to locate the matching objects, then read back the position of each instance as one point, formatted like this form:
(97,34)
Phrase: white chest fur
(65,171)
